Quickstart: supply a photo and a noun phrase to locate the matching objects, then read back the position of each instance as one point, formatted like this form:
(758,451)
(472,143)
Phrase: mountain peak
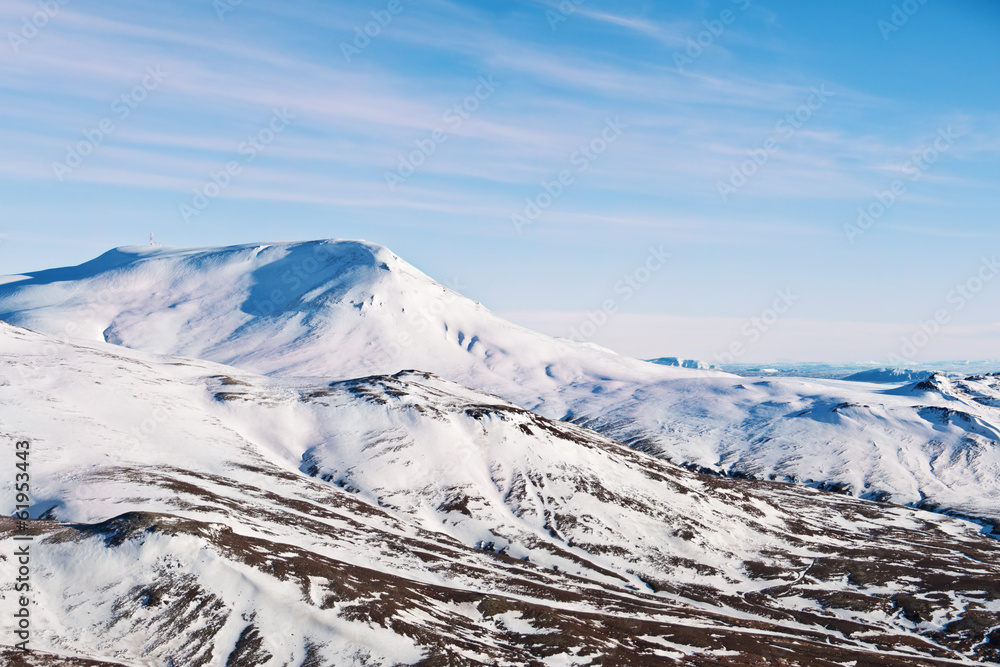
(332,308)
(937,382)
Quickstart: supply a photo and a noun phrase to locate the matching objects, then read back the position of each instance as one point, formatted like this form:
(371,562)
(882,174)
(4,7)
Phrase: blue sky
(741,138)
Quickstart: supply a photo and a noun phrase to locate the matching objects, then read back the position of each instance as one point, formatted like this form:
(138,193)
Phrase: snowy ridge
(209,515)
(347,309)
(337,309)
(916,445)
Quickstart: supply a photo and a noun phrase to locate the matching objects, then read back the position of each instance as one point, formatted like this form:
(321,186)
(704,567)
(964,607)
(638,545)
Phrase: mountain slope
(212,516)
(344,309)
(923,444)
(335,309)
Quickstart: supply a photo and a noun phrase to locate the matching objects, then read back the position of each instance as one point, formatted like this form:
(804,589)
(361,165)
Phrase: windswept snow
(338,310)
(209,515)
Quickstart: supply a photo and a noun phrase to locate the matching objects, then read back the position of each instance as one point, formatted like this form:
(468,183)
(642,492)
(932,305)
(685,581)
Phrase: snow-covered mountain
(889,376)
(344,309)
(338,310)
(935,444)
(199,514)
(683,363)
(333,309)
(842,370)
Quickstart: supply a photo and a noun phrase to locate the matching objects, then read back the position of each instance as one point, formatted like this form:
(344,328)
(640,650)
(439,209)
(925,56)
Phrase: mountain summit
(338,310)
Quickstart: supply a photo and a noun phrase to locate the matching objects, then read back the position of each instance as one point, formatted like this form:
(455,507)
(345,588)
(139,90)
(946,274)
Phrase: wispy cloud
(356,121)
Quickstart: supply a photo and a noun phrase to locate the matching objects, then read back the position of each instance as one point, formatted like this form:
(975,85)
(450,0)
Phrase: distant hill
(889,376)
(683,363)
